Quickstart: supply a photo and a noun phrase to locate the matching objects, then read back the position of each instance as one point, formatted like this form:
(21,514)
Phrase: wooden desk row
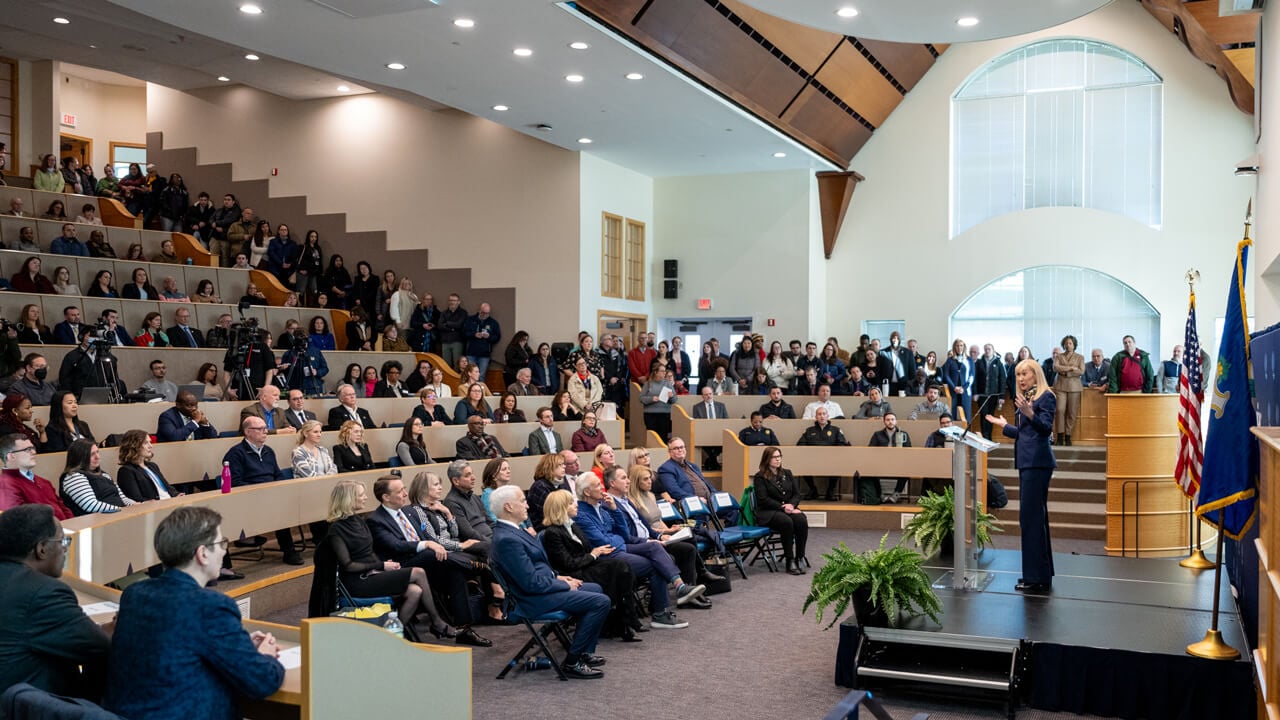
(185,462)
(709,433)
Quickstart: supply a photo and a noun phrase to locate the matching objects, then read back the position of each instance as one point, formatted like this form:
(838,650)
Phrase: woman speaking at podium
(1036,406)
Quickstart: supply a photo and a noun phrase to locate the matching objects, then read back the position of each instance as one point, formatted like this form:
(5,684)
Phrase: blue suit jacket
(1031,435)
(672,480)
(521,558)
(179,651)
(612,530)
(64,334)
(958,372)
(173,426)
(388,538)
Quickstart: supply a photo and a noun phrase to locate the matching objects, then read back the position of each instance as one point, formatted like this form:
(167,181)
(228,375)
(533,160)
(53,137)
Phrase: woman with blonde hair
(601,457)
(310,458)
(1033,457)
(403,302)
(351,454)
(362,573)
(638,456)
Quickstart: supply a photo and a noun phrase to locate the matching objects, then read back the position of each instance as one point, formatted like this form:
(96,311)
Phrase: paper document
(682,534)
(665,394)
(291,658)
(100,608)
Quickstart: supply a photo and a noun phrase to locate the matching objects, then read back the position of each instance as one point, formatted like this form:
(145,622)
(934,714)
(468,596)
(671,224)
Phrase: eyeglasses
(29,448)
(256,428)
(64,541)
(224,543)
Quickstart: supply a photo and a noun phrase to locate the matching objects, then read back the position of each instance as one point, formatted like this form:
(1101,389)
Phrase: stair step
(1093,496)
(1061,479)
(1065,464)
(1075,531)
(1061,512)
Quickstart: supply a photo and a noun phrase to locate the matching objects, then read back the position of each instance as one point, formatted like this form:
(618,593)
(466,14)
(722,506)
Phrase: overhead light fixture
(779,154)
(522,52)
(250,9)
(634,76)
(579,45)
(501,108)
(95,47)
(223,78)
(250,56)
(848,11)
(575,78)
(584,141)
(395,66)
(464,23)
(967,21)
(62,21)
(343,88)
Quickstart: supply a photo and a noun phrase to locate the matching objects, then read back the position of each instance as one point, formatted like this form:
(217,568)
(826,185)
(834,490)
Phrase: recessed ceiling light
(501,108)
(848,11)
(579,45)
(967,21)
(95,47)
(584,141)
(343,88)
(779,154)
(634,76)
(223,78)
(62,21)
(250,56)
(250,9)
(522,52)
(464,23)
(395,66)
(574,78)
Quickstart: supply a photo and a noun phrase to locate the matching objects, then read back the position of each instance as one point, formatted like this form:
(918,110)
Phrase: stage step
(1077,493)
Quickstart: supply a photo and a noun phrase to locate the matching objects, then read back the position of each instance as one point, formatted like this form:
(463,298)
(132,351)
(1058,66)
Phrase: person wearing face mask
(35,368)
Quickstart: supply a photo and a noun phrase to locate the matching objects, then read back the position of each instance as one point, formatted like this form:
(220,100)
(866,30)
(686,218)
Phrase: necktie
(409,533)
(190,338)
(270,417)
(711,411)
(302,418)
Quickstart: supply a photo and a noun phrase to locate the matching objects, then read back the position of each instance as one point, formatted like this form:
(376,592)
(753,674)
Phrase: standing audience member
(482,333)
(1131,370)
(1069,365)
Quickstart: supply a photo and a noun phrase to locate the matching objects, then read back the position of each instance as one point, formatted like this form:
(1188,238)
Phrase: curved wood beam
(1183,23)
(835,191)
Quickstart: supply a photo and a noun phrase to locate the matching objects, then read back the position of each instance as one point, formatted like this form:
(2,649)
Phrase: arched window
(1037,306)
(1058,123)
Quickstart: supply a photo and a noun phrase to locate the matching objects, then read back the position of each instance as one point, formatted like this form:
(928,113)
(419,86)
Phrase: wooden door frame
(643,323)
(88,148)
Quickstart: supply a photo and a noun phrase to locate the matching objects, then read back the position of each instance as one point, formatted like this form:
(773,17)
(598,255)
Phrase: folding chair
(695,509)
(740,540)
(540,628)
(347,600)
(772,545)
(671,516)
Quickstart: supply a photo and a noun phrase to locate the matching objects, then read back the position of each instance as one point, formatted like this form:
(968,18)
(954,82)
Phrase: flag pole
(1196,559)
(1213,647)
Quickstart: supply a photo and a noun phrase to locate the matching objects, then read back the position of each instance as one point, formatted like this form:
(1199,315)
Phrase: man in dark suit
(899,362)
(117,335)
(466,506)
(544,439)
(67,332)
(182,334)
(265,409)
(346,410)
(476,444)
(45,639)
(253,462)
(709,409)
(184,421)
(397,538)
(179,650)
(891,436)
(539,590)
(297,414)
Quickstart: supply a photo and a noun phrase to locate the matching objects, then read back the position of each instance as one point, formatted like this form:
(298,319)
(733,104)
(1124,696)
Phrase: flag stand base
(1212,647)
(1196,561)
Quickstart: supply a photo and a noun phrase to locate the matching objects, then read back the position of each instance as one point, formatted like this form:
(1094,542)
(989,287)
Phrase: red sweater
(15,490)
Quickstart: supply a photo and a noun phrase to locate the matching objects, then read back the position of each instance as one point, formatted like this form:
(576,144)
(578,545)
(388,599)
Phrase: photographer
(249,363)
(89,364)
(303,366)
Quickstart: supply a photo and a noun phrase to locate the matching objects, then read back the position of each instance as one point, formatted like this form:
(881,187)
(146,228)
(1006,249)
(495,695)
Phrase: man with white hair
(523,384)
(346,410)
(539,590)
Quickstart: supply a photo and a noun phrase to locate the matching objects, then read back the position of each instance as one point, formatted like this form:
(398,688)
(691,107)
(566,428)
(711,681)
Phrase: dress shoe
(699,604)
(1027,587)
(251,542)
(1068,439)
(793,569)
(629,635)
(580,671)
(467,636)
(228,574)
(709,576)
(293,559)
(591,660)
(444,632)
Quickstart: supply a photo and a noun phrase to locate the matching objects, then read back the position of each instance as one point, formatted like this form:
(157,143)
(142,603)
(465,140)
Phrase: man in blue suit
(67,332)
(678,479)
(522,559)
(179,650)
(184,421)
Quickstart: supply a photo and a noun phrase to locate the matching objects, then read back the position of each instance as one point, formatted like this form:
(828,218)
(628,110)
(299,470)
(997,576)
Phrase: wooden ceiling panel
(856,81)
(815,115)
(663,21)
(907,63)
(1229,30)
(1177,16)
(807,46)
(1244,59)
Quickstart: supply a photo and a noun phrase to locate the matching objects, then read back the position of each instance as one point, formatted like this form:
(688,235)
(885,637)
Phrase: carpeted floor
(753,655)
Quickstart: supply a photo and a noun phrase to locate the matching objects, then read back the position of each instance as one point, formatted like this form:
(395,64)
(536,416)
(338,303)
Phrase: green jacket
(1148,374)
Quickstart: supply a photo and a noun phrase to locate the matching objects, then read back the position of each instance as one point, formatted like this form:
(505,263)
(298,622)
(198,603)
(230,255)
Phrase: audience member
(68,244)
(1069,366)
(777,407)
(677,479)
(67,332)
(252,462)
(585,388)
(891,436)
(15,414)
(62,282)
(32,382)
(523,385)
(1131,370)
(84,486)
(587,437)
(545,371)
(822,433)
(508,410)
(265,409)
(482,333)
(756,433)
(151,335)
(220,223)
(351,454)
(184,421)
(346,409)
(824,402)
(777,507)
(19,485)
(1170,371)
(875,406)
(29,279)
(27,240)
(657,396)
(930,406)
(476,444)
(412,447)
(937,438)
(140,479)
(65,425)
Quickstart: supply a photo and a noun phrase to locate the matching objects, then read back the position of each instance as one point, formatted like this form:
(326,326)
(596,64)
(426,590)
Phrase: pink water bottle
(226,478)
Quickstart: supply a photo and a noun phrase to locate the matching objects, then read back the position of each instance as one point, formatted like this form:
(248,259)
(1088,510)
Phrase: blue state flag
(1229,480)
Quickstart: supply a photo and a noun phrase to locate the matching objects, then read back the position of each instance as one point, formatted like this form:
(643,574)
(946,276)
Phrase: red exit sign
(704,303)
(68,120)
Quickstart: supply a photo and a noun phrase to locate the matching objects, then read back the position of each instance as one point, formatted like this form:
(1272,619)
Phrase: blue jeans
(642,568)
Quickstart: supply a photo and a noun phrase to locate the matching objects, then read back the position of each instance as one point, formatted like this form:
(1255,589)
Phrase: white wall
(1265,261)
(476,194)
(899,217)
(745,241)
(105,114)
(606,187)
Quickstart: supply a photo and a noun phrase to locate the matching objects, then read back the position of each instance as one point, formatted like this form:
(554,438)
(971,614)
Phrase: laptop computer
(196,389)
(95,396)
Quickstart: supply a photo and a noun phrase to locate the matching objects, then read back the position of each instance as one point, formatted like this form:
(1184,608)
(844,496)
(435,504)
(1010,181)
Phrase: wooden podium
(1146,510)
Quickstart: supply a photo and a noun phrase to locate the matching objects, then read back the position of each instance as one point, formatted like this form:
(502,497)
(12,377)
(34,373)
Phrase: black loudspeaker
(670,288)
(671,269)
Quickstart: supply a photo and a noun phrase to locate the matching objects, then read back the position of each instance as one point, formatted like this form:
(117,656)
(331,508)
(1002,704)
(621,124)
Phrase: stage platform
(1109,639)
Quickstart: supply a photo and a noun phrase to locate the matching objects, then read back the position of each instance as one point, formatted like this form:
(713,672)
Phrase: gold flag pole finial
(1248,219)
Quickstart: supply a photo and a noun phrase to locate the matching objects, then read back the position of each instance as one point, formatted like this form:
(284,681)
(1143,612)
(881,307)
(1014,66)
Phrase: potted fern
(934,526)
(881,584)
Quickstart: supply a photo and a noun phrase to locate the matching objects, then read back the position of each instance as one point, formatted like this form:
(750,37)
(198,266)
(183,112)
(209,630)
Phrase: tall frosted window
(1037,306)
(1059,123)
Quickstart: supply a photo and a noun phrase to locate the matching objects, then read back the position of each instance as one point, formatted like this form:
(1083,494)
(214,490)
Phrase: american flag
(1190,397)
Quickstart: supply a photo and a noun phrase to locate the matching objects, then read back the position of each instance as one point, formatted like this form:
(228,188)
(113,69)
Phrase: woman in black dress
(569,552)
(778,508)
(362,573)
(65,425)
(351,454)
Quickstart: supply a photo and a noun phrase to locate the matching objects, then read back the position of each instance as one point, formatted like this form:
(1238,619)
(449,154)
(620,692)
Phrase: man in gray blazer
(544,439)
(297,414)
(709,409)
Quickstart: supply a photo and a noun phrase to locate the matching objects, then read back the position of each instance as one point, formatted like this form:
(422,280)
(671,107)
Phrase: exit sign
(704,303)
(68,120)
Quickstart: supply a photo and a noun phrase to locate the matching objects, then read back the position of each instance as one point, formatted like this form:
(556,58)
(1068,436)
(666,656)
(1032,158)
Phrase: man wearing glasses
(45,640)
(178,649)
(253,462)
(19,485)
